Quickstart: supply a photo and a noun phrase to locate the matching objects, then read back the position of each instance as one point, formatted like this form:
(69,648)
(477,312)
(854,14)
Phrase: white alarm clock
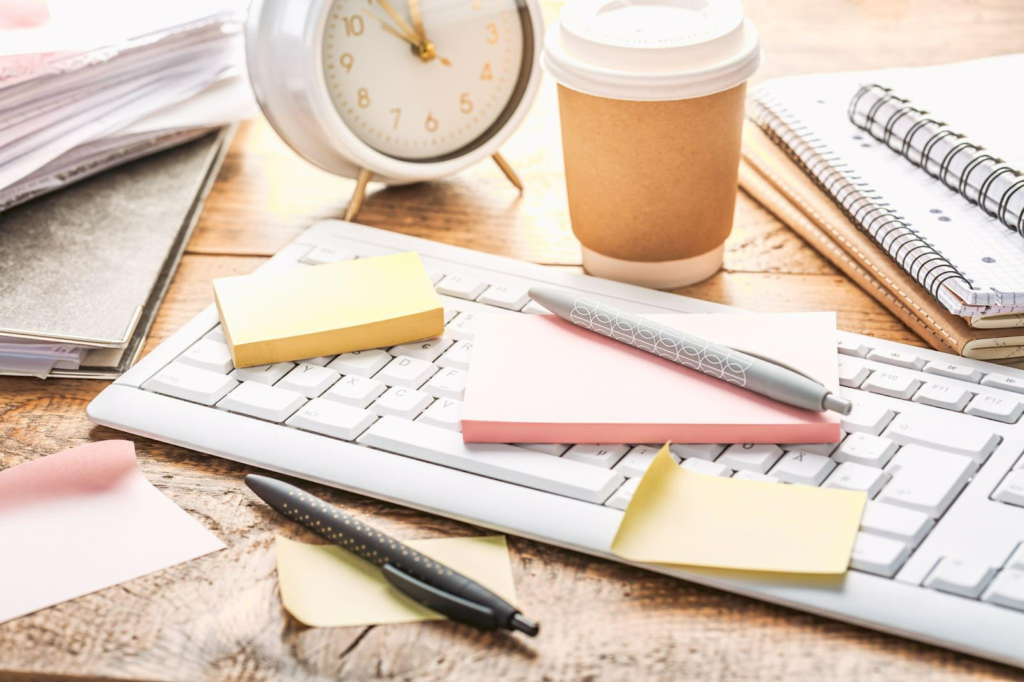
(395,90)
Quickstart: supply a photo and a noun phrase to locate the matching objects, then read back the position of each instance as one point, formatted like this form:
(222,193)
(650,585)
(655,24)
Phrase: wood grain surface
(220,617)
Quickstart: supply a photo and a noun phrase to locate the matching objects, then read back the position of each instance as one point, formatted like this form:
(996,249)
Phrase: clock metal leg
(356,202)
(507,170)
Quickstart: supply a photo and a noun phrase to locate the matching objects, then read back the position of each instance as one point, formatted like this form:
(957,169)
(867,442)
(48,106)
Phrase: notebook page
(989,255)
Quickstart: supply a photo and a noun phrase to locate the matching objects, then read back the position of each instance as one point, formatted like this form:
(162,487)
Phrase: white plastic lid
(651,50)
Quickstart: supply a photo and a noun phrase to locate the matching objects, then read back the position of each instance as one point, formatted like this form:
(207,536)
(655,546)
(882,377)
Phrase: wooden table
(220,617)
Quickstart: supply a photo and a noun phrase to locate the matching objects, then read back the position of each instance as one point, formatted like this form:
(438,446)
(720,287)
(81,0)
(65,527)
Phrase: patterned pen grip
(672,344)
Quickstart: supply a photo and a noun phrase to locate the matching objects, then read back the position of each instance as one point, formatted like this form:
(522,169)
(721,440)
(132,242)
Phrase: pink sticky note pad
(85,519)
(539,379)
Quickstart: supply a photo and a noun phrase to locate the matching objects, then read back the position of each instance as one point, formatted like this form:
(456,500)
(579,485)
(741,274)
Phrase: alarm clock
(398,91)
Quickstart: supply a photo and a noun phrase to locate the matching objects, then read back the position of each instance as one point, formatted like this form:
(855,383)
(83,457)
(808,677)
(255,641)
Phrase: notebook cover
(774,180)
(90,263)
(539,379)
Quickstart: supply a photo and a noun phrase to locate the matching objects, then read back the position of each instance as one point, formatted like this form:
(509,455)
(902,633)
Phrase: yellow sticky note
(682,517)
(325,586)
(328,309)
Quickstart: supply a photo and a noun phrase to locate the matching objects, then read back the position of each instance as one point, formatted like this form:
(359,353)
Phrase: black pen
(424,580)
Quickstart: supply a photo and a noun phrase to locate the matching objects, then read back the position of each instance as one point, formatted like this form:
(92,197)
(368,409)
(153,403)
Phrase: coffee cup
(651,96)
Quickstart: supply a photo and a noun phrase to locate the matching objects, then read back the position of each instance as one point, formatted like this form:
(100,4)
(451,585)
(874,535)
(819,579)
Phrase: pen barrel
(715,360)
(379,549)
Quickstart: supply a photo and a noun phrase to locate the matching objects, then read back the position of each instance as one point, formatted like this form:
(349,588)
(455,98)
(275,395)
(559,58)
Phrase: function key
(1007,383)
(892,383)
(854,348)
(948,369)
(508,297)
(1000,409)
(461,287)
(899,358)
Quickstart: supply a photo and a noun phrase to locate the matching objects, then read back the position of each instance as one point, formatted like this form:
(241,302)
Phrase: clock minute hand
(400,21)
(416,14)
(425,51)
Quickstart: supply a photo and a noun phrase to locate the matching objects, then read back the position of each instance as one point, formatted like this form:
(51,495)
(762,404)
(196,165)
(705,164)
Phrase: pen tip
(524,625)
(836,404)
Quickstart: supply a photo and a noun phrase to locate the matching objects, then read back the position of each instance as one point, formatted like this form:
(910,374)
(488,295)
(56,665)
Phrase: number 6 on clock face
(407,89)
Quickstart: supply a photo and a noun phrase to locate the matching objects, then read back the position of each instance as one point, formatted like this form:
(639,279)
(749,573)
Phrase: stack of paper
(85,87)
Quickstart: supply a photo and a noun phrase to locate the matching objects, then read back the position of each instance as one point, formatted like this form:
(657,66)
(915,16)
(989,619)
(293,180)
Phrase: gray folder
(89,264)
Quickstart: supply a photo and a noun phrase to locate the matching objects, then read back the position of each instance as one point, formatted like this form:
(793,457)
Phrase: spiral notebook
(926,162)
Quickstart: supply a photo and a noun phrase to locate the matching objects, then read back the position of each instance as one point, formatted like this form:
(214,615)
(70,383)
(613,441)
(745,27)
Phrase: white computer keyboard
(935,440)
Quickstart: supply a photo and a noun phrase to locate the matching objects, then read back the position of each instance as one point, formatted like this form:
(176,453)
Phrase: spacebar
(503,462)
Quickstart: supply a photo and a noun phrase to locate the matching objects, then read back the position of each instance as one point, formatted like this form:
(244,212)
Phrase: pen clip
(456,608)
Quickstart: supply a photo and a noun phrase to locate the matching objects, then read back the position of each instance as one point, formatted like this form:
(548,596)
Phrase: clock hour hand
(424,50)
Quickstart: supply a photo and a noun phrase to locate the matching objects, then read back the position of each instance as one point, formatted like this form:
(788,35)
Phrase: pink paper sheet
(539,379)
(84,519)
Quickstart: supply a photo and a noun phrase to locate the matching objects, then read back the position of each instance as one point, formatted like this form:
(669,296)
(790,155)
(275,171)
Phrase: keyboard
(935,440)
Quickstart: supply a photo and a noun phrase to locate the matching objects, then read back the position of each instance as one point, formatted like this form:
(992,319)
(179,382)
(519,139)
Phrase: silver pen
(755,374)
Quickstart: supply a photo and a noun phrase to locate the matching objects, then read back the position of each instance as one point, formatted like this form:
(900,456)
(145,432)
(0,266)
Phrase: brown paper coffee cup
(651,181)
(650,96)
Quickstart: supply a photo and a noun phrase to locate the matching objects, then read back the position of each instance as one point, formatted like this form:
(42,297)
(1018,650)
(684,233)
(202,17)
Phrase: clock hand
(401,22)
(425,50)
(416,14)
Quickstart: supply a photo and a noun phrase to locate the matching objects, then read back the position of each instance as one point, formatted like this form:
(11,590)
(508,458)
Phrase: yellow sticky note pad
(682,517)
(325,586)
(328,309)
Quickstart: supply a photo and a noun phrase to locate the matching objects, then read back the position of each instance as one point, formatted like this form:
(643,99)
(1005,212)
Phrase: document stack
(84,88)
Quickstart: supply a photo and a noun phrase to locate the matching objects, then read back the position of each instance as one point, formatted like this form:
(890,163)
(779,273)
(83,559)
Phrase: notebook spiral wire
(938,166)
(855,198)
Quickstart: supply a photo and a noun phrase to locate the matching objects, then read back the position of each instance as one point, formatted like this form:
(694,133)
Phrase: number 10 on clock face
(425,80)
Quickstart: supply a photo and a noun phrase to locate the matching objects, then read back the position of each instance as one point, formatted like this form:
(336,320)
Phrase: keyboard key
(973,440)
(1007,383)
(900,358)
(435,277)
(553,449)
(866,418)
(702,466)
(754,476)
(854,348)
(892,383)
(750,457)
(708,451)
(852,373)
(428,350)
(319,361)
(555,475)
(1011,489)
(620,498)
(966,577)
(863,448)
(948,369)
(803,467)
(817,448)
(208,354)
(216,334)
(457,356)
(444,412)
(853,476)
(462,327)
(262,401)
(333,419)
(190,383)
(1005,410)
(1016,560)
(926,480)
(906,525)
(508,297)
(878,555)
(265,374)
(461,287)
(637,461)
(447,383)
(449,314)
(944,396)
(604,456)
(355,391)
(319,255)
(363,363)
(402,402)
(1007,590)
(309,380)
(406,371)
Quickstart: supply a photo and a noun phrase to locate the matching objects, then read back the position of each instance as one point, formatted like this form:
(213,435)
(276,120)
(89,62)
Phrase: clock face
(426,80)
